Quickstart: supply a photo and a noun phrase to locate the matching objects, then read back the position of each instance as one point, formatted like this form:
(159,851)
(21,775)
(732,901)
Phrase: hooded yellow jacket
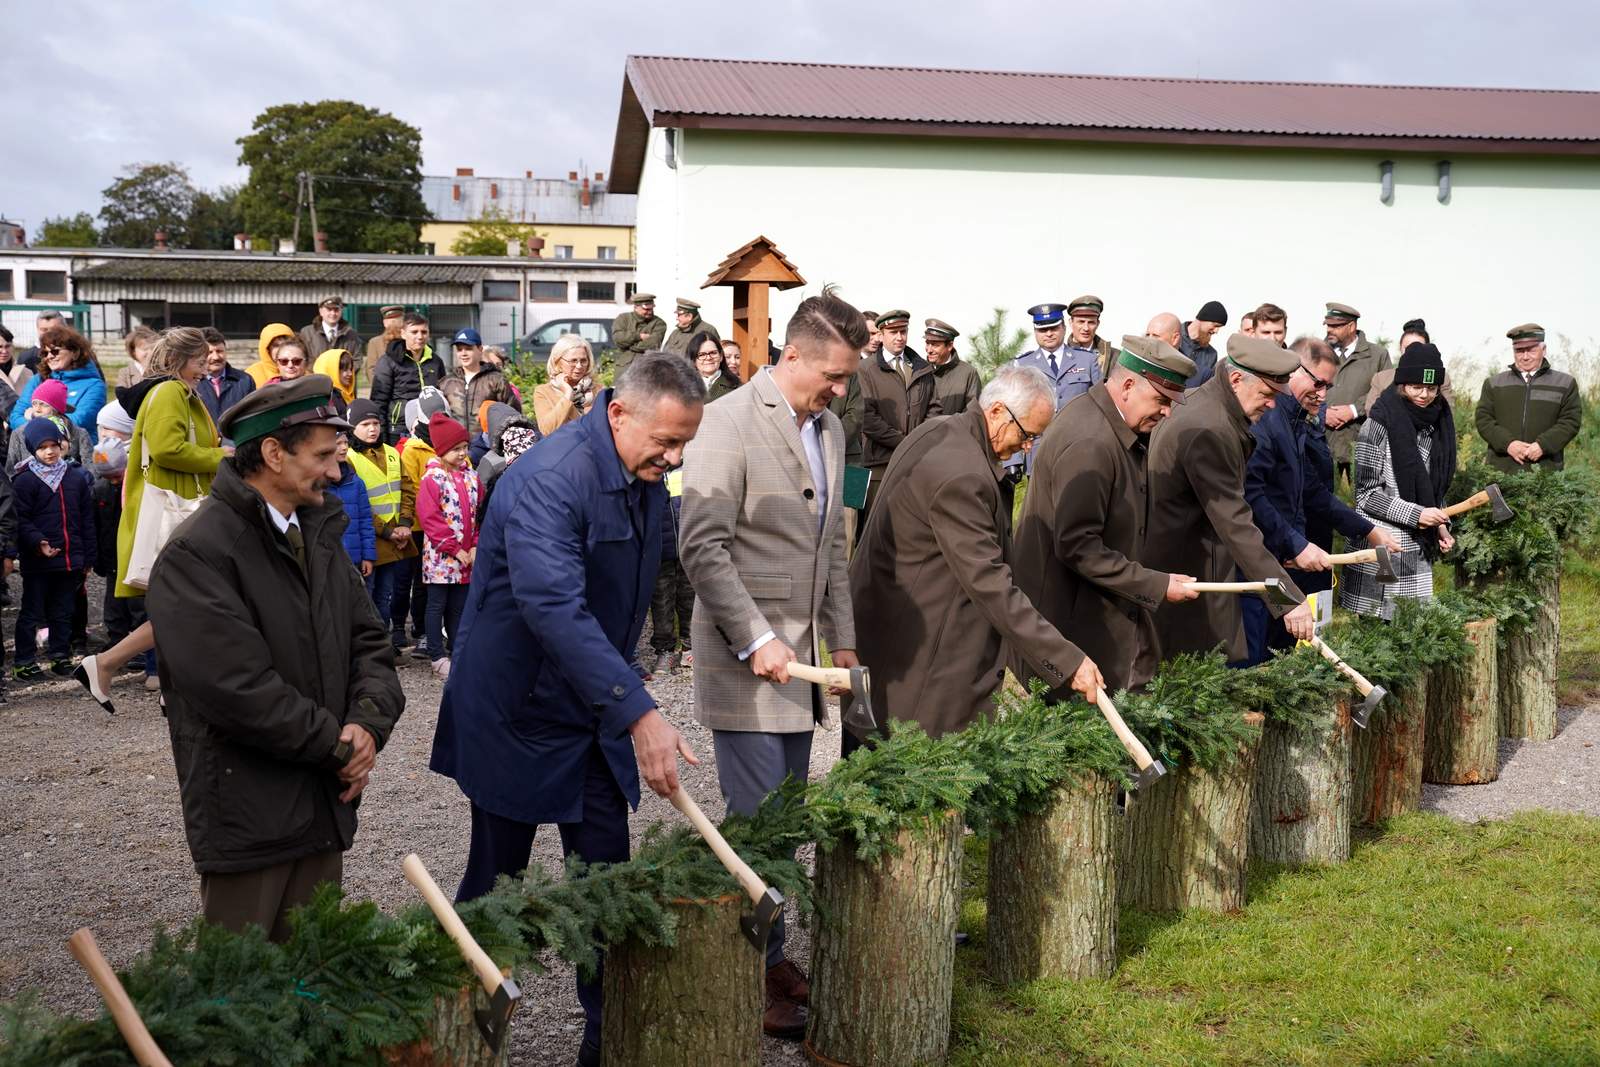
(328,363)
(263,370)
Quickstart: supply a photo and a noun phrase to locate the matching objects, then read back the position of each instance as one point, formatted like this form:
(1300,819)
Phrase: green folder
(855,486)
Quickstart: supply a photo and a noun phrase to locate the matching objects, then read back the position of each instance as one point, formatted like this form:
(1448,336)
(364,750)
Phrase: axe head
(1279,593)
(1363,711)
(1149,775)
(495,1020)
(1385,565)
(858,712)
(758,925)
(1500,511)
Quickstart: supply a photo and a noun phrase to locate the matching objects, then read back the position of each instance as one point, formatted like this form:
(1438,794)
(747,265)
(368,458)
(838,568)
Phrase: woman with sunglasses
(292,361)
(65,355)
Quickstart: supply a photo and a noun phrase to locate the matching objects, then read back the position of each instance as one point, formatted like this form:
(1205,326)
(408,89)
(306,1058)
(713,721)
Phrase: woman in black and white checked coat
(1405,458)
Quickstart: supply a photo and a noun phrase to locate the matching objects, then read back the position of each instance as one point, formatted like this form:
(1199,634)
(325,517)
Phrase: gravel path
(90,826)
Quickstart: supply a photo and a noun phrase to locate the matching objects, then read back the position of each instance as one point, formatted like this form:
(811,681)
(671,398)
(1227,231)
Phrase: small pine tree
(993,347)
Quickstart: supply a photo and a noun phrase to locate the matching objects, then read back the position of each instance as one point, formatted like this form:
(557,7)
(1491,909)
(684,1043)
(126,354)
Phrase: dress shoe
(88,675)
(589,1054)
(787,981)
(784,1020)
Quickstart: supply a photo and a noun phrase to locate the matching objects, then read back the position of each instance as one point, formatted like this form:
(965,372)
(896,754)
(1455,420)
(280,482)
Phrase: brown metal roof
(819,97)
(279,269)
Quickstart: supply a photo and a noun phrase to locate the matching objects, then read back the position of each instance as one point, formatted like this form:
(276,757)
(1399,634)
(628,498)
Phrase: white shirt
(281,521)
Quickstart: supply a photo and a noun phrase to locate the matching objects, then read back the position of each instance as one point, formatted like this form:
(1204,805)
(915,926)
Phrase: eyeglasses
(291,362)
(1317,384)
(1027,437)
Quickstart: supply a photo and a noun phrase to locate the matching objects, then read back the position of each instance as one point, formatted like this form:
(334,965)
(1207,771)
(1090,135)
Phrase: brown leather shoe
(786,981)
(784,1020)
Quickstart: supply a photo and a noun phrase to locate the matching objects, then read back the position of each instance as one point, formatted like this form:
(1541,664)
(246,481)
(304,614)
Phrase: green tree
(369,163)
(75,232)
(215,218)
(148,197)
(993,347)
(488,236)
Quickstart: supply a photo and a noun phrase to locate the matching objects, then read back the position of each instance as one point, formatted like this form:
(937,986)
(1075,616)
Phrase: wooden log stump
(1053,887)
(697,1002)
(1463,735)
(1188,836)
(453,1038)
(883,952)
(1386,757)
(1300,811)
(1527,670)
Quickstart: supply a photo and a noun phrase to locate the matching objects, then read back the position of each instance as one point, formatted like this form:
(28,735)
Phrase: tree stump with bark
(1188,836)
(453,1037)
(1300,812)
(1463,739)
(1386,757)
(1527,669)
(1053,887)
(696,1002)
(883,952)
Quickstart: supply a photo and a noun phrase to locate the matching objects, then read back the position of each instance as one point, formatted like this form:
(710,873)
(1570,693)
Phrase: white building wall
(955,228)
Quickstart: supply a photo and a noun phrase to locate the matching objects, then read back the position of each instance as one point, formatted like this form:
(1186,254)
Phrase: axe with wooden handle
(495,1020)
(1379,554)
(1150,768)
(1372,694)
(767,900)
(123,1013)
(1274,588)
(1489,494)
(858,712)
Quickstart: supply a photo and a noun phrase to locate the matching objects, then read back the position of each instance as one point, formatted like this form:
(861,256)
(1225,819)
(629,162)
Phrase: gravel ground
(90,820)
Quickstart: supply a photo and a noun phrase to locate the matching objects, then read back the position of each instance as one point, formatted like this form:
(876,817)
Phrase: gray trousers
(265,896)
(749,766)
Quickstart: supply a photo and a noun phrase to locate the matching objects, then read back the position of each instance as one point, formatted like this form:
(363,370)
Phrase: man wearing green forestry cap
(1080,544)
(1530,412)
(1359,360)
(1199,518)
(278,677)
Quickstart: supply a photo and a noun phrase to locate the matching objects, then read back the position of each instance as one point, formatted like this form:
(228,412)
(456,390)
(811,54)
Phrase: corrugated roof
(746,94)
(279,269)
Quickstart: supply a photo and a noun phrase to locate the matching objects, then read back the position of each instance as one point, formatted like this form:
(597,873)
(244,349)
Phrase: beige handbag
(160,513)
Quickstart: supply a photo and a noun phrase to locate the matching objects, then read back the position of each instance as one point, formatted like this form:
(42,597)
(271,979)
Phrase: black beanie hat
(1421,364)
(1213,311)
(363,409)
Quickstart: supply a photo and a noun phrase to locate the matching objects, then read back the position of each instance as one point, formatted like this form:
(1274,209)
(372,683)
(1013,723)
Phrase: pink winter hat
(53,392)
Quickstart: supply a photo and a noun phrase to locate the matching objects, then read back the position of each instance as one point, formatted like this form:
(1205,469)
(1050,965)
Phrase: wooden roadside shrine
(750,270)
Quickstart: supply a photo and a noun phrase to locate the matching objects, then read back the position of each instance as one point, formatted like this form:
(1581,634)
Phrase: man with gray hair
(43,323)
(936,604)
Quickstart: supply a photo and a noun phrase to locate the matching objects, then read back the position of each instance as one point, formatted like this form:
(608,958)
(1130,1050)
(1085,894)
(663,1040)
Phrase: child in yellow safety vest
(379,467)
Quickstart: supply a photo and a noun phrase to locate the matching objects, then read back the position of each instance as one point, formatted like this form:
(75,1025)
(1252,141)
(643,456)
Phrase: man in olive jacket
(1359,360)
(1199,518)
(897,393)
(1530,412)
(638,331)
(277,676)
(1081,536)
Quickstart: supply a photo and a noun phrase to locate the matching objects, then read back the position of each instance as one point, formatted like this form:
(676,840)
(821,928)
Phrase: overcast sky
(508,87)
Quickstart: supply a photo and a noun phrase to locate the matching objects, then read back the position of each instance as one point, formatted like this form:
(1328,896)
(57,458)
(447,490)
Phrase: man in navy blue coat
(543,720)
(1290,492)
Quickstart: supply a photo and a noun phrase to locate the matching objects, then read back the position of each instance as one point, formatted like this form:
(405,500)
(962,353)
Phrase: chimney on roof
(161,241)
(572,175)
(599,176)
(583,194)
(241,242)
(321,239)
(463,172)
(527,174)
(536,247)
(286,246)
(494,190)
(455,192)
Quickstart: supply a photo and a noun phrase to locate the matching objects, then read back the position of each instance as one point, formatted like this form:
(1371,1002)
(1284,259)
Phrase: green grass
(1578,665)
(1437,942)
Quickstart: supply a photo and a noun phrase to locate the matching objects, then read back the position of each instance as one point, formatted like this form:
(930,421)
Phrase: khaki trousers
(266,896)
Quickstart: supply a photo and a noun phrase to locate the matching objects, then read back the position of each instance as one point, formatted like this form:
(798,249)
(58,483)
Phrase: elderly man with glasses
(1289,486)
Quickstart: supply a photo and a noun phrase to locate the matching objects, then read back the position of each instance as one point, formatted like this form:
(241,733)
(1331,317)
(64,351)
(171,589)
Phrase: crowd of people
(853,498)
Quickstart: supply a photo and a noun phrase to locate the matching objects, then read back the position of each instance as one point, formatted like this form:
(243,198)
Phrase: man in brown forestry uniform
(897,393)
(689,324)
(935,603)
(1359,360)
(638,331)
(1530,412)
(394,317)
(1199,518)
(955,384)
(1080,539)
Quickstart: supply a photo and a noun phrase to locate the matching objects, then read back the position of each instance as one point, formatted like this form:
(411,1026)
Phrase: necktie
(297,543)
(216,383)
(905,368)
(1054,370)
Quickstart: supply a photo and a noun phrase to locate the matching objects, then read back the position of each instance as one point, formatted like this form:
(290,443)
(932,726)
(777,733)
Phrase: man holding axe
(1289,492)
(1199,518)
(936,605)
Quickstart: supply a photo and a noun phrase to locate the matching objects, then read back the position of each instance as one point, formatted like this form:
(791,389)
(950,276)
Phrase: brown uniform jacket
(1351,384)
(678,340)
(316,341)
(376,347)
(632,335)
(892,408)
(1081,540)
(1200,523)
(936,606)
(955,386)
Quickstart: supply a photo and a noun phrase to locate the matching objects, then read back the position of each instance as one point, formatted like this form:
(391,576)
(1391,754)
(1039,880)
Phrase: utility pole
(299,198)
(311,198)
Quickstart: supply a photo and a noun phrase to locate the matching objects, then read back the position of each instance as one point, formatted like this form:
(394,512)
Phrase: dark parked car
(534,348)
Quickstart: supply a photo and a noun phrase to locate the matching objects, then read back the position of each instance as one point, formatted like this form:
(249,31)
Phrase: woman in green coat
(174,427)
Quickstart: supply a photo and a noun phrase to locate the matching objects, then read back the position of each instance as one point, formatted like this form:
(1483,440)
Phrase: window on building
(563,251)
(499,289)
(605,292)
(6,292)
(607,252)
(47,285)
(547,292)
(426,248)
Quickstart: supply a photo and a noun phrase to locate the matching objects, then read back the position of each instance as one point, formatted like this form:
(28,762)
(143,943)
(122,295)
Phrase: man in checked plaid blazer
(762,541)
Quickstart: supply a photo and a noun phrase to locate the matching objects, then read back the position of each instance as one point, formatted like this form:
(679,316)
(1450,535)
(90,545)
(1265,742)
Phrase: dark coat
(678,340)
(62,517)
(1200,523)
(316,341)
(567,558)
(1081,539)
(1547,411)
(489,385)
(955,386)
(936,607)
(262,664)
(721,386)
(632,335)
(236,385)
(849,409)
(1204,357)
(400,379)
(107,497)
(1351,384)
(360,538)
(8,520)
(1285,488)
(891,408)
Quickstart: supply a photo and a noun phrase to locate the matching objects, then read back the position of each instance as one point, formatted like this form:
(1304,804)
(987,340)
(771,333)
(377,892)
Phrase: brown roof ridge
(1165,79)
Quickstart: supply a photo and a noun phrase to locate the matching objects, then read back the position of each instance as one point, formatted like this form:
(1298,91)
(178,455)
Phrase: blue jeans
(386,579)
(445,605)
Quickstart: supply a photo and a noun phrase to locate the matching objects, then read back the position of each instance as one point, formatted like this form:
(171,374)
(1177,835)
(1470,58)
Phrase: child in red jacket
(447,508)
